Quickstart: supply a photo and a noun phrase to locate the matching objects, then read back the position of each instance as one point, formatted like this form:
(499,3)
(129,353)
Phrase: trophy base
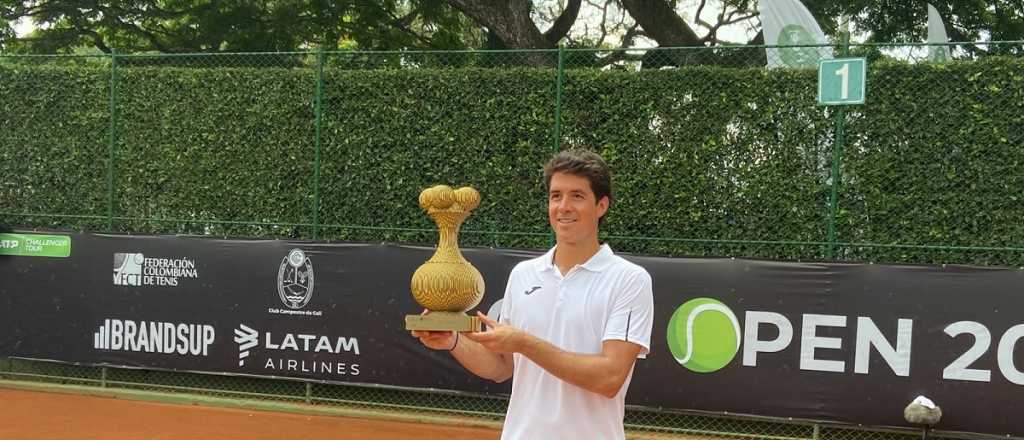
(443,321)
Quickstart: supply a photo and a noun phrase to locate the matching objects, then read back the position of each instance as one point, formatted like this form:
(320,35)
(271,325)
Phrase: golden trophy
(447,285)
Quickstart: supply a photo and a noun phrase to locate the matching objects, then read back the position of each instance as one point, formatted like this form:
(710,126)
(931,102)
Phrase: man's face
(573,209)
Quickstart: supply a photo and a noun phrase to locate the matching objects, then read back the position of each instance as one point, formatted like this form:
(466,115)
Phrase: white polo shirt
(606,298)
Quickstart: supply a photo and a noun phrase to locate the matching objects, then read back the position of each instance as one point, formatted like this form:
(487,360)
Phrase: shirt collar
(597,263)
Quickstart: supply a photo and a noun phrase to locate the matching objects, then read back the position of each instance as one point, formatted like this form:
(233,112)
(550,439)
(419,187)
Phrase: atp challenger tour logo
(35,245)
(704,336)
(295,282)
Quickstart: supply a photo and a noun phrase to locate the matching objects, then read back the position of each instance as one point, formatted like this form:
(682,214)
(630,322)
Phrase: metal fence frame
(433,406)
(400,404)
(829,242)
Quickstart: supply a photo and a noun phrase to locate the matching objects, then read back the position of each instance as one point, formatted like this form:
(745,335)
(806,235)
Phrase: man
(572,323)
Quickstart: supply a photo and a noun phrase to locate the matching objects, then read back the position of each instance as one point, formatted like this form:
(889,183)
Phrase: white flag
(937,34)
(786,23)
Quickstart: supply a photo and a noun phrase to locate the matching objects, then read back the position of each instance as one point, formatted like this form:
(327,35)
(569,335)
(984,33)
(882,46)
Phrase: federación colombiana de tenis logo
(703,335)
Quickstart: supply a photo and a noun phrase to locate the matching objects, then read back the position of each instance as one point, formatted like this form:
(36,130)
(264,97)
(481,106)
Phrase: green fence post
(558,97)
(837,157)
(309,393)
(817,432)
(103,377)
(111,150)
(319,124)
(560,78)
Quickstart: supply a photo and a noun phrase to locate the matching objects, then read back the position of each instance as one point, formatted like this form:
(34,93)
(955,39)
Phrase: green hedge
(53,144)
(710,153)
(708,160)
(936,157)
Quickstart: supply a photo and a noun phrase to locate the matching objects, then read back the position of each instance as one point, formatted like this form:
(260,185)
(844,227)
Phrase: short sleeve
(632,312)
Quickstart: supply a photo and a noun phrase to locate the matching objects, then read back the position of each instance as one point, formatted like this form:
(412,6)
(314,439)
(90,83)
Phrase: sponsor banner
(35,245)
(331,312)
(838,342)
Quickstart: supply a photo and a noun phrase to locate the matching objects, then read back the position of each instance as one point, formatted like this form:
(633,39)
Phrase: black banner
(838,342)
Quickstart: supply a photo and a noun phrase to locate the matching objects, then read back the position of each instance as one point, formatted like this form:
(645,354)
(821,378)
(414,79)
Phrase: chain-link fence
(430,405)
(715,154)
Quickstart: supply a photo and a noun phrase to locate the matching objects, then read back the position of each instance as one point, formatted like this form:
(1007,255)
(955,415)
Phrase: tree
(966,20)
(511,22)
(180,26)
(286,25)
(6,33)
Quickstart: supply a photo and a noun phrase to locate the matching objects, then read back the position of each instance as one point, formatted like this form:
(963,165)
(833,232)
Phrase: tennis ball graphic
(703,335)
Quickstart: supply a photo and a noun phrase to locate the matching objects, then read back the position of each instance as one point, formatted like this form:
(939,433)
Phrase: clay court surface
(33,415)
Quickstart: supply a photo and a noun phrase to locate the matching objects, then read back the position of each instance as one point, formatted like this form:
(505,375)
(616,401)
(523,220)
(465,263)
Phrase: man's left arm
(627,335)
(602,373)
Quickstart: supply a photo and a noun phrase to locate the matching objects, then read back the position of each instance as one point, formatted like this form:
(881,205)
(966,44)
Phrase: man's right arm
(473,356)
(483,362)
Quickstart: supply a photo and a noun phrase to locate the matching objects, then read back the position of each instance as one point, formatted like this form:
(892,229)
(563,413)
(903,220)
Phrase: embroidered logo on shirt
(532,289)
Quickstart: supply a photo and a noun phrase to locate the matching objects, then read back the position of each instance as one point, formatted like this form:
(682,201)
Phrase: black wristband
(456,344)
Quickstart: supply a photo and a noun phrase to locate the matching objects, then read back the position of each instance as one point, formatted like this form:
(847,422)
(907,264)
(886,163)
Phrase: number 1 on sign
(845,73)
(841,81)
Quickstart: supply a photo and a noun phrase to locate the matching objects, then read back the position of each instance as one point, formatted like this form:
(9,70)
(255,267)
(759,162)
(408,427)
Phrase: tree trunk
(510,22)
(564,22)
(661,23)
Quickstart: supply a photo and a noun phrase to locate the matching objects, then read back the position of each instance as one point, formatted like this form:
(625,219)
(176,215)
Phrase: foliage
(182,26)
(709,160)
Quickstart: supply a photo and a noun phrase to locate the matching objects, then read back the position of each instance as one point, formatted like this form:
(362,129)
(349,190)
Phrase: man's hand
(499,338)
(437,340)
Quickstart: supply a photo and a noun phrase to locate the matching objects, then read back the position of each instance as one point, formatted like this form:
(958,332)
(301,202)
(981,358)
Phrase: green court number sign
(842,81)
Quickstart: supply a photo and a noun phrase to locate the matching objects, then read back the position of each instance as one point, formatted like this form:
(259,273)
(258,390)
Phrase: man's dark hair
(585,164)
